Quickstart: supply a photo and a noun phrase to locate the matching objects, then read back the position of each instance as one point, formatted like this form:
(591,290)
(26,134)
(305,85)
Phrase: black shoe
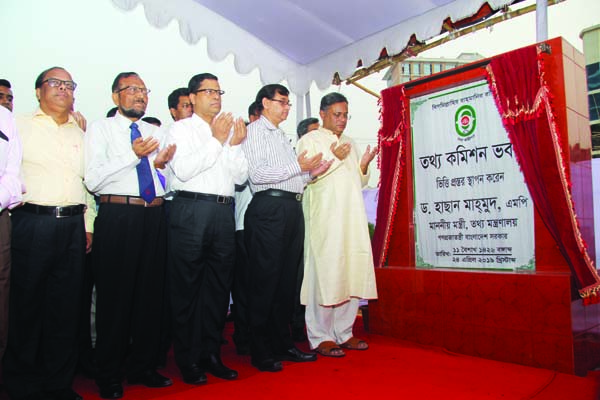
(293,354)
(63,394)
(215,366)
(267,364)
(193,375)
(151,379)
(112,390)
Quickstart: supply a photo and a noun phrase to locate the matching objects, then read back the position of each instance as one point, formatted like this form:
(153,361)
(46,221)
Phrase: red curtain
(393,135)
(525,105)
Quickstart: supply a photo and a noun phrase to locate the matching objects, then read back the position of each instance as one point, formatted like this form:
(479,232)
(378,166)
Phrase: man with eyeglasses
(123,168)
(336,272)
(208,164)
(51,233)
(274,230)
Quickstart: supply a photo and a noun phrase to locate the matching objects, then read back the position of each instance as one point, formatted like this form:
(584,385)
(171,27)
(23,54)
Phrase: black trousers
(201,272)
(274,232)
(46,278)
(129,262)
(241,333)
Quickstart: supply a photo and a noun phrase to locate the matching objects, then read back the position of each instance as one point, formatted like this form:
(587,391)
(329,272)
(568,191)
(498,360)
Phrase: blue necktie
(144,172)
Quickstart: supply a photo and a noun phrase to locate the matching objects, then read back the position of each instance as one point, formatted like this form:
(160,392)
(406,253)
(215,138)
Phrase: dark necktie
(144,172)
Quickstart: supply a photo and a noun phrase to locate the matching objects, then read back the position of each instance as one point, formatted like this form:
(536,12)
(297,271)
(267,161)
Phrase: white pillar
(307,98)
(541,15)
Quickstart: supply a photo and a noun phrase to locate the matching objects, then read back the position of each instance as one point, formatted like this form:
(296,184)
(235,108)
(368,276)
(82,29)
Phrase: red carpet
(390,369)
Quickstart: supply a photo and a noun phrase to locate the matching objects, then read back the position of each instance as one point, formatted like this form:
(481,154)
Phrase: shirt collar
(40,113)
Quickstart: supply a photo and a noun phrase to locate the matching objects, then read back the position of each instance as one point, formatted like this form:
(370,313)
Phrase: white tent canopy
(305,41)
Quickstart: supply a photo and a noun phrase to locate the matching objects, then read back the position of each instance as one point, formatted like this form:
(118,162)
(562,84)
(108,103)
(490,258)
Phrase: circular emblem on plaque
(465,121)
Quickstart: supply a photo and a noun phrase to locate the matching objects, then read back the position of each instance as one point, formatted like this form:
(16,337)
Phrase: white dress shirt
(110,159)
(201,163)
(10,161)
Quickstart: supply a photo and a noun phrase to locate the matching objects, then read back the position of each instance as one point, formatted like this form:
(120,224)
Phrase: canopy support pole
(541,20)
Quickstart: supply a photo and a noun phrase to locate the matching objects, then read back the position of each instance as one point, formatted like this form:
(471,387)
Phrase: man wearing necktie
(123,167)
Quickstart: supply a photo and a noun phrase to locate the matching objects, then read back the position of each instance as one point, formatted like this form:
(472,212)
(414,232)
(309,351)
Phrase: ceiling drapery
(305,41)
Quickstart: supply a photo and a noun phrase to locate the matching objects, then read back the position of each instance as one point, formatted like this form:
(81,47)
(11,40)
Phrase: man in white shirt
(10,196)
(206,168)
(123,168)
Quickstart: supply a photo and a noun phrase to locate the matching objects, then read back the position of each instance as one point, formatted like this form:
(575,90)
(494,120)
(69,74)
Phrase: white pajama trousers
(330,323)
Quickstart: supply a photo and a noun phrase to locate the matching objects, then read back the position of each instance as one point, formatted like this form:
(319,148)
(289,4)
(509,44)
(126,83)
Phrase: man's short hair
(332,98)
(122,75)
(42,76)
(112,112)
(253,110)
(197,80)
(5,83)
(173,99)
(303,126)
(268,92)
(152,120)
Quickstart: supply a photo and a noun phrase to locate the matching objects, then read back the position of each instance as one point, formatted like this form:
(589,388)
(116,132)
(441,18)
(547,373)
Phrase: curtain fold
(392,137)
(518,84)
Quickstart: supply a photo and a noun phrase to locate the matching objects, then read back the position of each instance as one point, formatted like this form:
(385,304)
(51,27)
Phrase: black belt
(280,193)
(55,211)
(206,197)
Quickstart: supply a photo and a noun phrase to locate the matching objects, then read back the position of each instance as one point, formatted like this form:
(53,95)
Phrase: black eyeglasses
(282,102)
(133,90)
(210,92)
(53,82)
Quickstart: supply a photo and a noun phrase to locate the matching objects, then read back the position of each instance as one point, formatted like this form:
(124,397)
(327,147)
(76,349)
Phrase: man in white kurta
(338,263)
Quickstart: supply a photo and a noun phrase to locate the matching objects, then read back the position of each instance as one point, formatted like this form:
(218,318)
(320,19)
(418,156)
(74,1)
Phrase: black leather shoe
(295,355)
(151,379)
(63,394)
(111,390)
(215,366)
(193,375)
(267,364)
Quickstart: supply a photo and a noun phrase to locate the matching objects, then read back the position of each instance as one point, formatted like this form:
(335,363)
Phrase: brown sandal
(354,344)
(330,349)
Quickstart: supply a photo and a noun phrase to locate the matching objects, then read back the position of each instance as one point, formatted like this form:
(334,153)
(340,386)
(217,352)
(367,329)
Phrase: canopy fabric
(305,41)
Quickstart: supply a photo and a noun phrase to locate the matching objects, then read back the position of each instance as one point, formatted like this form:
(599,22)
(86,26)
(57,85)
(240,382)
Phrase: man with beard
(48,246)
(208,165)
(123,166)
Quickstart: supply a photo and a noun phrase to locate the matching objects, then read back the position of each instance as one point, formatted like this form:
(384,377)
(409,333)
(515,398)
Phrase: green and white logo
(465,121)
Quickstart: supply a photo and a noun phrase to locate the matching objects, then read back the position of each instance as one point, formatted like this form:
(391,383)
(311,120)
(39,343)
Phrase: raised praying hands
(164,156)
(239,132)
(341,151)
(367,158)
(144,147)
(308,164)
(221,126)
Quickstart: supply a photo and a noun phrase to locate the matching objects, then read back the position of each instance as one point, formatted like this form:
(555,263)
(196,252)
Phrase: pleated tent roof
(305,41)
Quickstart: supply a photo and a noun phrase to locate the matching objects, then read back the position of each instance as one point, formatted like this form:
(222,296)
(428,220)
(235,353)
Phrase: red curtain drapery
(518,84)
(392,138)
